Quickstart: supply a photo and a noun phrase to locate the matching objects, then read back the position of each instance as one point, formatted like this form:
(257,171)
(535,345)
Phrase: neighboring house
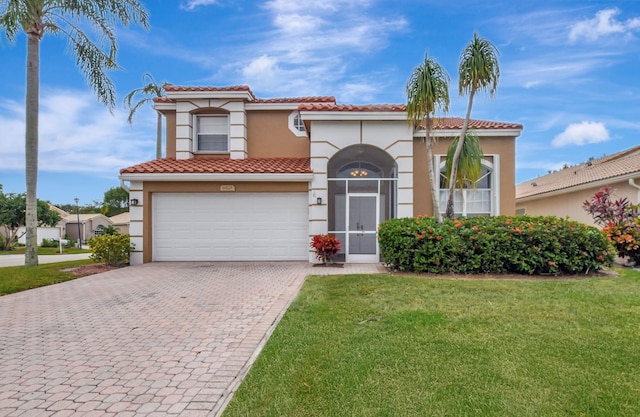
(121,222)
(91,225)
(562,193)
(44,232)
(253,179)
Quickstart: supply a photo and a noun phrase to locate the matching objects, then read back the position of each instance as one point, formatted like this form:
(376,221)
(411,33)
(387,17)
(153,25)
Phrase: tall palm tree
(427,91)
(478,70)
(470,162)
(149,91)
(66,18)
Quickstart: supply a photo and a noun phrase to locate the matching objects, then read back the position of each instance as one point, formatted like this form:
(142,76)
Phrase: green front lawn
(18,278)
(385,345)
(45,251)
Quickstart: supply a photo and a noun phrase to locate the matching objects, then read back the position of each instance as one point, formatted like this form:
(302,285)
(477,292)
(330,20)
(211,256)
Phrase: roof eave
(180,176)
(353,115)
(209,94)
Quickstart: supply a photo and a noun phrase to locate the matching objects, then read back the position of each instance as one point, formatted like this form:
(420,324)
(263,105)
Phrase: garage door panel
(219,227)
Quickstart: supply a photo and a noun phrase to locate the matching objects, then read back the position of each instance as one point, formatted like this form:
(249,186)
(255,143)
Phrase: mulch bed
(85,270)
(332,265)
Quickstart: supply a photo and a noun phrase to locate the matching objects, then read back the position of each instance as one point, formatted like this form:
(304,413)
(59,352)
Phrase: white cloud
(192,4)
(76,134)
(603,24)
(581,134)
(312,46)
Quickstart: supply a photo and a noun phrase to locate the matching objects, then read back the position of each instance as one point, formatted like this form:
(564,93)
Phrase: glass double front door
(362,215)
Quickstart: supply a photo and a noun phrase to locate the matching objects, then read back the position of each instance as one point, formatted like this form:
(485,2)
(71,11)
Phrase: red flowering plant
(326,246)
(620,220)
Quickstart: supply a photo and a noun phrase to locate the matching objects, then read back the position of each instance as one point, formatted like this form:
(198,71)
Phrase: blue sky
(569,75)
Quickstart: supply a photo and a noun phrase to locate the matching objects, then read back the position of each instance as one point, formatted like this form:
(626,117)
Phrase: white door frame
(362,258)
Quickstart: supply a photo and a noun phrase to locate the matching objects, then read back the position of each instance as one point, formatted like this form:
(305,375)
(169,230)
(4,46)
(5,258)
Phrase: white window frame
(296,125)
(494,167)
(196,133)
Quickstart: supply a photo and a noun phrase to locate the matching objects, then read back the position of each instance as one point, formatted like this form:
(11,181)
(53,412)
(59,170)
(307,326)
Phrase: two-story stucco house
(253,179)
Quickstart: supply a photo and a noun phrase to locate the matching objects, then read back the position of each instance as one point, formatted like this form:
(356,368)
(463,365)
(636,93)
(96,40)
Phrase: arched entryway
(362,193)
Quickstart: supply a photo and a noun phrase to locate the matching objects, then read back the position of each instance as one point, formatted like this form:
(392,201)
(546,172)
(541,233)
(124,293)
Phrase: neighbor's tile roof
(121,218)
(608,167)
(222,166)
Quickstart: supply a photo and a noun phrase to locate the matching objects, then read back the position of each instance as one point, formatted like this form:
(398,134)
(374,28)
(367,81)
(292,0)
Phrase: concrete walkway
(17,260)
(160,339)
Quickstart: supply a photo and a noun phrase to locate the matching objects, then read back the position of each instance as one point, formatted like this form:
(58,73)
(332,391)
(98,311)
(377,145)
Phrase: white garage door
(230,227)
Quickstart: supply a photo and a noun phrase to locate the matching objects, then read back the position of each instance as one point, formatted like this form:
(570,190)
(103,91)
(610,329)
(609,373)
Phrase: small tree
(427,91)
(13,217)
(146,94)
(479,70)
(116,200)
(619,220)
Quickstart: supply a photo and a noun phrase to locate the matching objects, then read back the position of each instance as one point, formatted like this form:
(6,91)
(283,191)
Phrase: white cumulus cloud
(581,134)
(603,24)
(76,134)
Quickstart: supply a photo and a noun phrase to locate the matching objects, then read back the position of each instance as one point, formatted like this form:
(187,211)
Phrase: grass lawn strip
(19,278)
(383,345)
(46,251)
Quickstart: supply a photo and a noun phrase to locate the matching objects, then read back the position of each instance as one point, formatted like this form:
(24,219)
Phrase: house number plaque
(227,188)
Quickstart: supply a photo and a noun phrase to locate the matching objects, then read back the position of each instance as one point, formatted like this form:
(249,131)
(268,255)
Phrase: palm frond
(470,161)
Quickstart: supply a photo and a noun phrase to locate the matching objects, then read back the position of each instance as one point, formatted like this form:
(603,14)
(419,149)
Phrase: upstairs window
(212,133)
(296,125)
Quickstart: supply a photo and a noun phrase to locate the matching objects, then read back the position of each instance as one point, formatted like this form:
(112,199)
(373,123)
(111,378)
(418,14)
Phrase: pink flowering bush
(620,222)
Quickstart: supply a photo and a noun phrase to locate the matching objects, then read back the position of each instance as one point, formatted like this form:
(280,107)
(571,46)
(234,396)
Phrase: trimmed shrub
(49,243)
(111,249)
(325,246)
(520,245)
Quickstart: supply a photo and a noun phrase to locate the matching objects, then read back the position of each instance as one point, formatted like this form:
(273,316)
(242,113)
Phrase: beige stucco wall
(569,204)
(269,136)
(170,129)
(504,147)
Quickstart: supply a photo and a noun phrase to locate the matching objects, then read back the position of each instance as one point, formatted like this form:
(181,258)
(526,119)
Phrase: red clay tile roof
(170,87)
(222,166)
(319,99)
(457,122)
(612,166)
(354,108)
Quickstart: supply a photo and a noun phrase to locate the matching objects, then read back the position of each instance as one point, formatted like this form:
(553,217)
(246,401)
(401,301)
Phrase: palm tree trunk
(456,158)
(31,150)
(159,136)
(435,197)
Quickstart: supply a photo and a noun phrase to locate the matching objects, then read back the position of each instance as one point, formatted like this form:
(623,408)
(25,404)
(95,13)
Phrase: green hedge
(520,245)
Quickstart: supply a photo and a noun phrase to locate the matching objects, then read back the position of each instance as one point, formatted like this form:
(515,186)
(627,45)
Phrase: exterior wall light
(133,202)
(319,200)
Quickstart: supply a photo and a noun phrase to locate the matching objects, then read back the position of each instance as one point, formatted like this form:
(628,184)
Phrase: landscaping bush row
(501,244)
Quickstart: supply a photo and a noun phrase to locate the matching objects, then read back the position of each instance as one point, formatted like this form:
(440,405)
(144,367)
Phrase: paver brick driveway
(160,339)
